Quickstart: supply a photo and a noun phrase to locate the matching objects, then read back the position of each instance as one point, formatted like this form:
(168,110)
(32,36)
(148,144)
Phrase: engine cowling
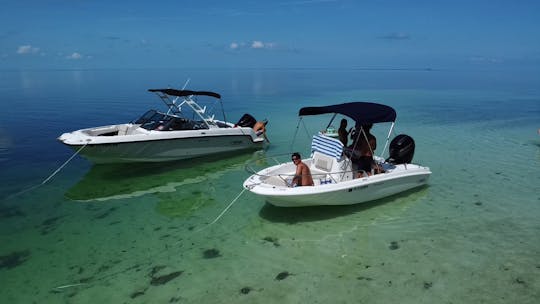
(246,121)
(401,149)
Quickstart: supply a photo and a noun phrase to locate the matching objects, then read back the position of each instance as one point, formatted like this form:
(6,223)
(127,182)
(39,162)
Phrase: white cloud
(74,56)
(262,45)
(257,45)
(484,60)
(396,36)
(27,49)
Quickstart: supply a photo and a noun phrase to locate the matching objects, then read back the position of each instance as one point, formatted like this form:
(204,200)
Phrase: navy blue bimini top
(362,112)
(174,92)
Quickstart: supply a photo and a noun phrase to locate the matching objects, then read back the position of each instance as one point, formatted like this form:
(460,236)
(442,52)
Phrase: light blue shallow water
(108,233)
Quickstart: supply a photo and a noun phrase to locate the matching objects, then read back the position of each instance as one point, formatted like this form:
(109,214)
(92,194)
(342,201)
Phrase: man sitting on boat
(303,174)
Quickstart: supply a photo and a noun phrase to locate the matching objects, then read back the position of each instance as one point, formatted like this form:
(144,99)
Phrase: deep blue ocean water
(104,233)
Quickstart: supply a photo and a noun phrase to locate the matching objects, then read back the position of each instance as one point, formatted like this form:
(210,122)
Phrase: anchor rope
(224,210)
(64,164)
(227,208)
(50,176)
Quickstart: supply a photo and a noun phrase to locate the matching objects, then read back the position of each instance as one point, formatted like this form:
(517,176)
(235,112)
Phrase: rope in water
(50,176)
(225,210)
(64,164)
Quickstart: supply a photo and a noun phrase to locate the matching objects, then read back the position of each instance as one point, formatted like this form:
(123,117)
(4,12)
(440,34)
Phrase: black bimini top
(180,93)
(361,112)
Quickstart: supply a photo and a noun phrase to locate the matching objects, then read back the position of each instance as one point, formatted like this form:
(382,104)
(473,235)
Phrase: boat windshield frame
(155,120)
(175,100)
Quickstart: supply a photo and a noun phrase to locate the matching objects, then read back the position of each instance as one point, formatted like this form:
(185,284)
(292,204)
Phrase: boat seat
(276,181)
(322,162)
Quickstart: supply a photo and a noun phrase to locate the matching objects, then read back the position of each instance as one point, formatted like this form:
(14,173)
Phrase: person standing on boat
(343,133)
(366,143)
(303,174)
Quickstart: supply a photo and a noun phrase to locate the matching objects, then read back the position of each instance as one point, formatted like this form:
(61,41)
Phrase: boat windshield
(154,120)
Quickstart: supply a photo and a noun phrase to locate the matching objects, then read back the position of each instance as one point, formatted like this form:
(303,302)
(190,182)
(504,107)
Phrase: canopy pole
(331,121)
(388,138)
(186,83)
(222,111)
(295,133)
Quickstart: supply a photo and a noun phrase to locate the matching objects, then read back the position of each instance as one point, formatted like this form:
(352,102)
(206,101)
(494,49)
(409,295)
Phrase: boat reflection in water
(180,186)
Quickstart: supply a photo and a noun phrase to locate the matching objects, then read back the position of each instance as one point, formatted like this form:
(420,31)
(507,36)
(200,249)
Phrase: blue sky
(269,34)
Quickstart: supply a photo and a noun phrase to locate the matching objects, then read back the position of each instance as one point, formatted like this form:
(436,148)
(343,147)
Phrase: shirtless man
(260,128)
(303,174)
(365,161)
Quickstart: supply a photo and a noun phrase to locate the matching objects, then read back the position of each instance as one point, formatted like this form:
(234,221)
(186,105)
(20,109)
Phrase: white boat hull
(141,145)
(343,175)
(399,179)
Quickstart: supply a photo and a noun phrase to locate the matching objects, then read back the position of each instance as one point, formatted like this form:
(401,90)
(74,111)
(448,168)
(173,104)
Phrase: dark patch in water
(478,203)
(211,253)
(137,293)
(272,240)
(364,278)
(165,278)
(519,281)
(428,285)
(49,224)
(155,270)
(103,268)
(245,290)
(283,275)
(13,211)
(14,259)
(393,245)
(85,280)
(105,214)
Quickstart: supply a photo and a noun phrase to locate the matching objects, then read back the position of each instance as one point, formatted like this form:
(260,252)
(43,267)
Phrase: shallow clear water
(145,233)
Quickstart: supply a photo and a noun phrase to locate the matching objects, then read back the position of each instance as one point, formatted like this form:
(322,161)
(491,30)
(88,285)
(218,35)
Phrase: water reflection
(116,181)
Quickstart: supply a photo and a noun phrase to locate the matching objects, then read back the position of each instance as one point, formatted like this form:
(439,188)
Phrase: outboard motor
(401,150)
(246,121)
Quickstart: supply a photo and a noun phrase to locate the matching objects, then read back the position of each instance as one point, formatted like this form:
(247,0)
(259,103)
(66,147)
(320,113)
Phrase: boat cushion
(322,162)
(327,146)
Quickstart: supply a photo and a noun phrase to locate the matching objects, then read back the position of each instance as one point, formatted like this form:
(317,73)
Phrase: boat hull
(344,193)
(159,146)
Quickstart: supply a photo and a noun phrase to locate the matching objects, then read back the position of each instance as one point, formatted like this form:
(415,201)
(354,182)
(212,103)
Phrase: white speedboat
(185,130)
(337,181)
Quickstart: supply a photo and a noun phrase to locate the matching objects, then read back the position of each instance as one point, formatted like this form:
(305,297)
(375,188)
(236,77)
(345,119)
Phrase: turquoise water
(146,233)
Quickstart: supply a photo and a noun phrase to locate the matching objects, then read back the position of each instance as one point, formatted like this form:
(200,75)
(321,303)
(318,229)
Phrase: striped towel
(327,146)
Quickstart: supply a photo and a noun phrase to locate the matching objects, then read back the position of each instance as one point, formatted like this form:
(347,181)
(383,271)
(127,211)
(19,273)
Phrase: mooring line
(64,164)
(50,176)
(223,212)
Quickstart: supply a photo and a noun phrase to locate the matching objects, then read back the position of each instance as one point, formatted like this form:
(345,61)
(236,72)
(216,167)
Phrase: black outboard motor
(246,121)
(401,150)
